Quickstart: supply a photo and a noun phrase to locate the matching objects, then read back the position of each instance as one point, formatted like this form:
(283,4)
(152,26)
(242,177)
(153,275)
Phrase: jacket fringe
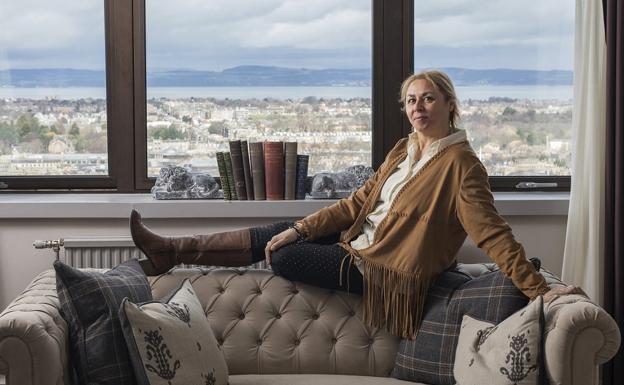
(394,299)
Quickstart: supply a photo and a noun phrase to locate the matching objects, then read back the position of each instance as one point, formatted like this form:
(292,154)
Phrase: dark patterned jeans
(316,263)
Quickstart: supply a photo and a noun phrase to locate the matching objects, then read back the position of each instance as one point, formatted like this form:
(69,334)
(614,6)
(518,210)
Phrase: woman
(390,238)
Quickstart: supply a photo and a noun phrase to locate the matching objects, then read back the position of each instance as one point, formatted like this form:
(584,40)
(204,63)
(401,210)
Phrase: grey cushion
(90,302)
(429,358)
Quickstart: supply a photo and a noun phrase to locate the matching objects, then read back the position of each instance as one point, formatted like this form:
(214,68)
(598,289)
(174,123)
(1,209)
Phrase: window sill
(24,206)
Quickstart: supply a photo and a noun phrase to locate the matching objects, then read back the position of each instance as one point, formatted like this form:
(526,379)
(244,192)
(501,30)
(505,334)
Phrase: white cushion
(503,354)
(171,342)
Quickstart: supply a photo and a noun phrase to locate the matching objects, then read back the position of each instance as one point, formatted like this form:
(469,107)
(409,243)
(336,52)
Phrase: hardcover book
(223,178)
(228,170)
(302,175)
(256,158)
(237,169)
(290,170)
(247,171)
(274,170)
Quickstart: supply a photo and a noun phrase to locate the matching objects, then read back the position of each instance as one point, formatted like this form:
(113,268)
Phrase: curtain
(613,372)
(584,244)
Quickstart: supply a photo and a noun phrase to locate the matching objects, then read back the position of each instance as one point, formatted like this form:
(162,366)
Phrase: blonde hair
(443,83)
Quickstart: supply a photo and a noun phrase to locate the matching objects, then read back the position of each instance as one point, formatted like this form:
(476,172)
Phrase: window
(151,84)
(512,65)
(262,70)
(53,112)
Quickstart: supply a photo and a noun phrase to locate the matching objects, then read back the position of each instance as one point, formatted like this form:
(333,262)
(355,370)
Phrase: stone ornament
(327,185)
(175,182)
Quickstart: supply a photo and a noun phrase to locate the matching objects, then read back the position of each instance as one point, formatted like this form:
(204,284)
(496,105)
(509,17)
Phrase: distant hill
(266,76)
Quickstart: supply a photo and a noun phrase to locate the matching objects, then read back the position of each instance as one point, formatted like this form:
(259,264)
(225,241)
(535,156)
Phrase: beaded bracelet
(300,236)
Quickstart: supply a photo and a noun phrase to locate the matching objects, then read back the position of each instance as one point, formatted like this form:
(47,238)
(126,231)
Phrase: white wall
(542,236)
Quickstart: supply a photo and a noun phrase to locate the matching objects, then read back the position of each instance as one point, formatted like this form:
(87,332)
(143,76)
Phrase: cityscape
(68,137)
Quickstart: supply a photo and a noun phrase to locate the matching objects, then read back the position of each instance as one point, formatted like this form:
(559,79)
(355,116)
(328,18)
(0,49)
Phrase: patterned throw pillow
(89,303)
(504,354)
(171,342)
(430,356)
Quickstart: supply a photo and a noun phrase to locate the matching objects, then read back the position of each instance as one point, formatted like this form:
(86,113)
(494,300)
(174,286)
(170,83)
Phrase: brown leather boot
(230,248)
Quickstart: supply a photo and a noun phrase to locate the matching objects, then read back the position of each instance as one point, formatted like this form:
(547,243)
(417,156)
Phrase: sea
(539,92)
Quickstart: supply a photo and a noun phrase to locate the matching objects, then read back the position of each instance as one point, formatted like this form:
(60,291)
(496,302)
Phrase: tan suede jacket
(429,219)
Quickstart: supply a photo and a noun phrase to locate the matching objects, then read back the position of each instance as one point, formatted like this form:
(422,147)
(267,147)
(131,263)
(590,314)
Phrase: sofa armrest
(579,336)
(33,336)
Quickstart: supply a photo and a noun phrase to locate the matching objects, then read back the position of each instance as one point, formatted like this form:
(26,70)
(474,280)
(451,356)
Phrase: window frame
(116,19)
(125,43)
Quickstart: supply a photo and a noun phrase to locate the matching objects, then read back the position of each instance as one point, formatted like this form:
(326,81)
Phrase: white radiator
(99,252)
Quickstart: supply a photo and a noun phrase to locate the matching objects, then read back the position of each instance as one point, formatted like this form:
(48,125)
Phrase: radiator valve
(50,244)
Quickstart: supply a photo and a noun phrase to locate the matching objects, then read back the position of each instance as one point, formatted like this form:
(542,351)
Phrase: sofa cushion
(505,354)
(171,342)
(90,302)
(285,327)
(429,357)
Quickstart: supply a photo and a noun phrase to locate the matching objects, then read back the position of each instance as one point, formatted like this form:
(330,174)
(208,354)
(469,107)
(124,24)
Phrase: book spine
(302,175)
(247,171)
(228,170)
(290,170)
(256,157)
(274,170)
(223,178)
(237,169)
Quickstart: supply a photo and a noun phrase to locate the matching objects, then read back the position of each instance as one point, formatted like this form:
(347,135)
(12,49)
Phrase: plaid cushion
(429,358)
(90,303)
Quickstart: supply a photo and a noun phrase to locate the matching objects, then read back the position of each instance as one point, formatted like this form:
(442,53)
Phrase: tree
(168,133)
(75,130)
(509,111)
(218,128)
(28,128)
(8,137)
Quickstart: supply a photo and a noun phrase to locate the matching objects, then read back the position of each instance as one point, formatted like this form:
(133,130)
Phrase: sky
(220,34)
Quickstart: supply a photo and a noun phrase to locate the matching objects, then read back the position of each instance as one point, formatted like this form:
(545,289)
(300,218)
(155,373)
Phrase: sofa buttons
(316,316)
(258,291)
(241,317)
(334,340)
(370,341)
(221,290)
(259,342)
(351,313)
(295,291)
(278,316)
(220,341)
(297,342)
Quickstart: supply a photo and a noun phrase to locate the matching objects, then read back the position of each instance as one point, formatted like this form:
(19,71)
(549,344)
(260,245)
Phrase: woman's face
(427,109)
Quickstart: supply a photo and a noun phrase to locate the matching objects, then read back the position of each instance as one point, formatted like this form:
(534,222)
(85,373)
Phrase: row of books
(263,171)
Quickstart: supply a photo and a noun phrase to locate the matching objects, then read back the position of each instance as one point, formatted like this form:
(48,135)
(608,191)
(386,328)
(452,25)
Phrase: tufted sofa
(273,331)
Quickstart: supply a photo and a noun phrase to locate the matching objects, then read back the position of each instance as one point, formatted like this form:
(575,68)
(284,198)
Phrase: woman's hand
(557,292)
(285,237)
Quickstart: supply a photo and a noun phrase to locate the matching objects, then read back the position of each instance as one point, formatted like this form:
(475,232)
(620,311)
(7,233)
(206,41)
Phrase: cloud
(218,34)
(340,29)
(494,34)
(39,33)
(514,30)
